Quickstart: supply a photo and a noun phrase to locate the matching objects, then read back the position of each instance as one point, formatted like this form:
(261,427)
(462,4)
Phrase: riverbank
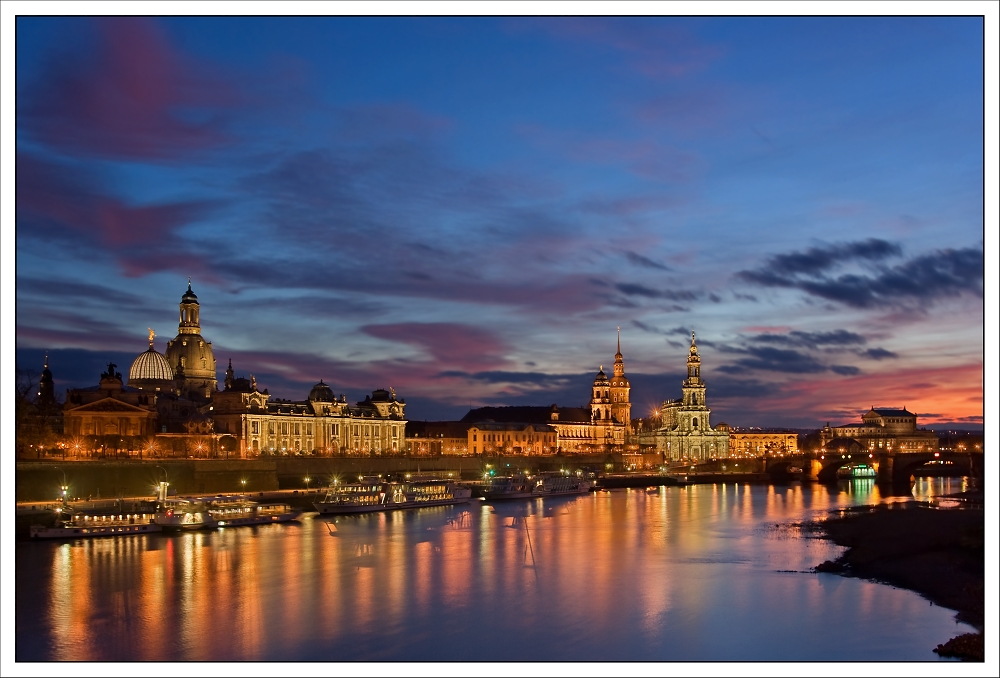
(938,553)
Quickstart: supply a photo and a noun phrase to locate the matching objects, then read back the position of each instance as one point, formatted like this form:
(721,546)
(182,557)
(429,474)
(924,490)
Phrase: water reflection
(696,573)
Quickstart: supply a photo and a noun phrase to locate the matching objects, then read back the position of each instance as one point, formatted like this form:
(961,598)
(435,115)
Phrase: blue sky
(465,209)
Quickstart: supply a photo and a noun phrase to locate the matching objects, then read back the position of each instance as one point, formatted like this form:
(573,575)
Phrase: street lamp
(307,479)
(65,485)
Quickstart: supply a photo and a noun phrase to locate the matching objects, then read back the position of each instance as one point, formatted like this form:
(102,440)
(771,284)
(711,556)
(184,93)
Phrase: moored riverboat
(84,526)
(238,513)
(185,514)
(368,497)
(515,486)
(554,485)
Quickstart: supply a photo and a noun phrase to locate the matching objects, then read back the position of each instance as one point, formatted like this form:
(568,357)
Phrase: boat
(554,485)
(372,496)
(85,525)
(517,486)
(240,512)
(185,514)
(855,471)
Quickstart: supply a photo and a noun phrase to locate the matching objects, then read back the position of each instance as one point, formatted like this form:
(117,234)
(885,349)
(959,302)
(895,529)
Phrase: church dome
(322,393)
(150,364)
(601,378)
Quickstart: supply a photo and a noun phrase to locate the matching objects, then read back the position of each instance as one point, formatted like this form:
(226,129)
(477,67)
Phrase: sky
(466,209)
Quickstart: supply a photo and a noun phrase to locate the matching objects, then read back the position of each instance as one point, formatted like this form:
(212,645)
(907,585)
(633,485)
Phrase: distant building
(881,428)
(599,428)
(685,430)
(758,442)
(512,438)
(437,438)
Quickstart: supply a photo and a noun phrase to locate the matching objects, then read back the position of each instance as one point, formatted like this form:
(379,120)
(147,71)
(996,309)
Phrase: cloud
(447,343)
(879,354)
(633,289)
(919,281)
(811,339)
(127,93)
(847,370)
(644,262)
(60,202)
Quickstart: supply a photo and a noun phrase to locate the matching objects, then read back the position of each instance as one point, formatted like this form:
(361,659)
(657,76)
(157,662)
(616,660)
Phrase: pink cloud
(454,346)
(134,96)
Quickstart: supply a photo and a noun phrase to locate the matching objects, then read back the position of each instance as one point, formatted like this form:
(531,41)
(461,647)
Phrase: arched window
(694,423)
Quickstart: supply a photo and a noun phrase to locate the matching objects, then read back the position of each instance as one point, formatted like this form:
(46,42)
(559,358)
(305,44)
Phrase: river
(701,573)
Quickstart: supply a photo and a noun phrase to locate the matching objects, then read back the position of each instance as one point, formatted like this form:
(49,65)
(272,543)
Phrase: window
(270,427)
(255,427)
(309,429)
(357,430)
(335,430)
(297,429)
(284,428)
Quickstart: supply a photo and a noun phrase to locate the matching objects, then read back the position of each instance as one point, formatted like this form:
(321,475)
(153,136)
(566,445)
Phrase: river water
(704,573)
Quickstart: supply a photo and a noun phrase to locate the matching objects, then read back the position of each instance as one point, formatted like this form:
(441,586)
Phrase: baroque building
(881,428)
(685,431)
(251,424)
(189,355)
(603,426)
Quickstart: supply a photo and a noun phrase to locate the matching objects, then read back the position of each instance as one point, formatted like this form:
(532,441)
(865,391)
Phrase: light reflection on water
(707,572)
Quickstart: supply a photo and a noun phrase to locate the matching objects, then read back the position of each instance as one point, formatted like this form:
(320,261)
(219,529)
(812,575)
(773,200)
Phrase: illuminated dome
(322,393)
(150,370)
(601,379)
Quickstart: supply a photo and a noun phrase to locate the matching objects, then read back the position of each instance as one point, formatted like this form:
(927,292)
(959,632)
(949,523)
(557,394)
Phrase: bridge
(891,466)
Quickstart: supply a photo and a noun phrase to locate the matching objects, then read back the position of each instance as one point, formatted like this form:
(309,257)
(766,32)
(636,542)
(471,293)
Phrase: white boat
(554,485)
(185,514)
(515,486)
(367,497)
(83,526)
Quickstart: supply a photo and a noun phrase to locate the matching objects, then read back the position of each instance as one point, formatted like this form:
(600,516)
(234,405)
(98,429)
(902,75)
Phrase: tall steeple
(46,391)
(621,407)
(693,388)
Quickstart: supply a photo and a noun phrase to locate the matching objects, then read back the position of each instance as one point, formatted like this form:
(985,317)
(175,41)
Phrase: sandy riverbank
(937,553)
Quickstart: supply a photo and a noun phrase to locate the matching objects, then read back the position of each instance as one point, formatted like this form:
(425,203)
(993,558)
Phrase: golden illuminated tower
(189,355)
(621,408)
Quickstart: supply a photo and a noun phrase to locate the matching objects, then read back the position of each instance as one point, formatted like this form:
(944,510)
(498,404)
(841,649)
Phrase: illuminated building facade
(253,424)
(685,430)
(881,428)
(512,438)
(757,443)
(437,438)
(189,355)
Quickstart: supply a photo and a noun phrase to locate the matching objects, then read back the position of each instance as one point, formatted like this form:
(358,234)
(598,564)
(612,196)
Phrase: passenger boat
(516,486)
(81,526)
(554,485)
(237,513)
(370,496)
(185,514)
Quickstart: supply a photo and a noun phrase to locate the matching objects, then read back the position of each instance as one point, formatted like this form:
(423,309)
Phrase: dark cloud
(811,339)
(646,328)
(879,354)
(644,262)
(815,259)
(507,377)
(633,289)
(912,284)
(775,360)
(845,370)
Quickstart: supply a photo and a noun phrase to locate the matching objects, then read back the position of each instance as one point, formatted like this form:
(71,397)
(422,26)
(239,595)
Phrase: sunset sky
(465,209)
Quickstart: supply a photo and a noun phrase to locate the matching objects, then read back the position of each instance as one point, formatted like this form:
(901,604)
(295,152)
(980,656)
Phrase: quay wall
(41,480)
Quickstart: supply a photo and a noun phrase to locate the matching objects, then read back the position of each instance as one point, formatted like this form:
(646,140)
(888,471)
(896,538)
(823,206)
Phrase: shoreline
(935,552)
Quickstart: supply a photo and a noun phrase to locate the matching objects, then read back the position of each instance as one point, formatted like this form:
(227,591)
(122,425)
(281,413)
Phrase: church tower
(621,408)
(694,413)
(189,355)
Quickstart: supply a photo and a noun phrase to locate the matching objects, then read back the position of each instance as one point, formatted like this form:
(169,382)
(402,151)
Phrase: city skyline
(466,209)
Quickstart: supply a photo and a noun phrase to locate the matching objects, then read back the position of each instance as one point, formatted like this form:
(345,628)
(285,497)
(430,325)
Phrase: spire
(189,283)
(151,335)
(46,365)
(619,340)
